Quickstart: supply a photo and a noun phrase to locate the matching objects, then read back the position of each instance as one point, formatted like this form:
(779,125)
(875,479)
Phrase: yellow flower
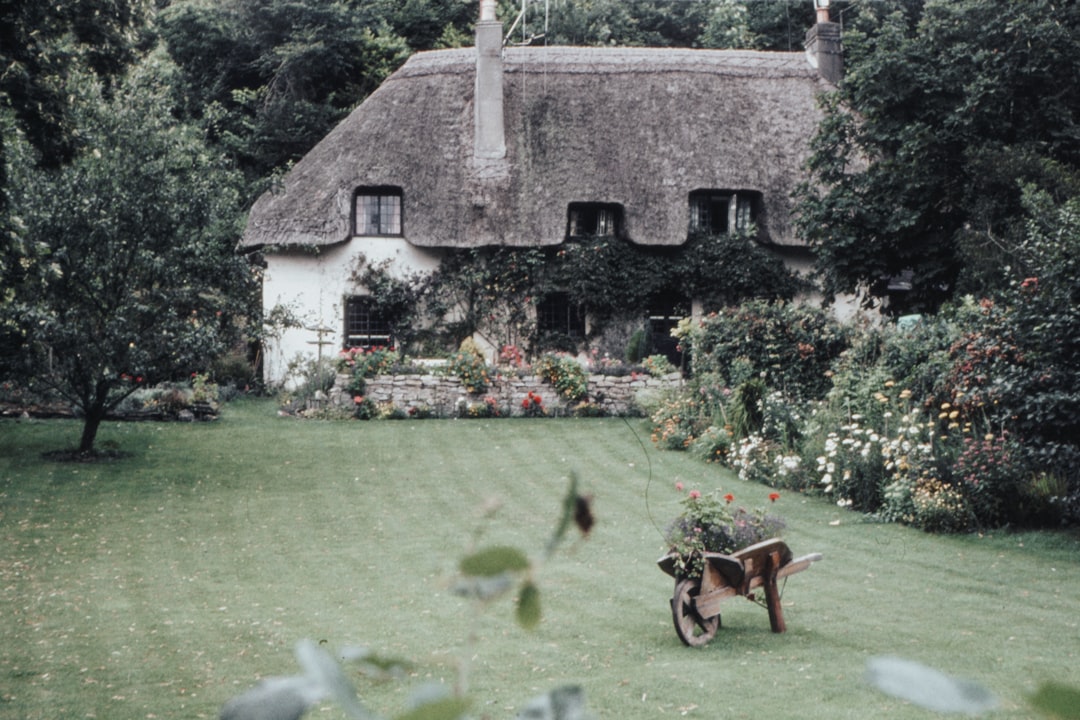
(945,406)
(889,383)
(905,394)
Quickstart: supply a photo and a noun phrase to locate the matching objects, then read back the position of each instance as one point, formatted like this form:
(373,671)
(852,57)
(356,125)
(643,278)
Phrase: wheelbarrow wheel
(691,628)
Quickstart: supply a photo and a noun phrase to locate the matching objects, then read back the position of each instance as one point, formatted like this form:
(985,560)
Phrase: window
(378,211)
(556,315)
(665,312)
(593,219)
(365,327)
(718,212)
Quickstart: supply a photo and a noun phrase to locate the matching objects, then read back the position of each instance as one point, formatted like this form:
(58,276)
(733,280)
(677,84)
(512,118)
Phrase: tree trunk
(92,421)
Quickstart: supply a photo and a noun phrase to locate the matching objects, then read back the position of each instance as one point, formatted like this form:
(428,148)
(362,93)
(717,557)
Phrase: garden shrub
(469,365)
(565,374)
(676,419)
(789,347)
(658,365)
(747,412)
(364,408)
(637,346)
(361,363)
(588,409)
(712,444)
(486,408)
(532,405)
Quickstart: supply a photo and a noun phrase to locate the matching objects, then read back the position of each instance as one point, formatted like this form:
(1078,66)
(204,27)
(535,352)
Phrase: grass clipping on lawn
(165,582)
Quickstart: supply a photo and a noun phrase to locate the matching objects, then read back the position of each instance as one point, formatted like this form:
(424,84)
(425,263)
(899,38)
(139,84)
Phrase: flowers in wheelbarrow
(713,522)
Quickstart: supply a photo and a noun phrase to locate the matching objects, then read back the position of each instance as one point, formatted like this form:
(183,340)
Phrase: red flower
(525,403)
(729,498)
(774,496)
(358,399)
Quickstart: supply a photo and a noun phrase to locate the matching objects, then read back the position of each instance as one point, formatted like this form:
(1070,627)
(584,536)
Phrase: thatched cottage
(522,146)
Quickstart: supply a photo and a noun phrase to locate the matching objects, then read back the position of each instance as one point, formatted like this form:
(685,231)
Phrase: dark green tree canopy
(42,42)
(269,78)
(943,112)
(129,275)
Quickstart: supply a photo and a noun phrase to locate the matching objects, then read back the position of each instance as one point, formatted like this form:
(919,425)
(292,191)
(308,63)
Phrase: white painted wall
(313,284)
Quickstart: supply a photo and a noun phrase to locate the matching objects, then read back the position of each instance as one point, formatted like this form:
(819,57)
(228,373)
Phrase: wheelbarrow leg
(772,595)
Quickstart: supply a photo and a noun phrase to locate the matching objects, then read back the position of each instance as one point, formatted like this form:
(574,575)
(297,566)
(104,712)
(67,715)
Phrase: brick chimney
(823,47)
(489,138)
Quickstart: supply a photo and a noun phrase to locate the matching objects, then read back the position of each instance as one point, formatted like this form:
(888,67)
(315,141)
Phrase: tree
(269,78)
(133,277)
(41,43)
(945,110)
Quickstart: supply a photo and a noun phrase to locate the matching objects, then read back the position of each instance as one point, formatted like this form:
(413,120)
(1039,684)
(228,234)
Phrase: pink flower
(358,399)
(695,494)
(679,486)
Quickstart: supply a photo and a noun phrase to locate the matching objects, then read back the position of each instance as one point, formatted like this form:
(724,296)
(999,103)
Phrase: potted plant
(713,523)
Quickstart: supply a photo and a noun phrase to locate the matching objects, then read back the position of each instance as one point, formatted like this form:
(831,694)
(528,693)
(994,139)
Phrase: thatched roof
(638,127)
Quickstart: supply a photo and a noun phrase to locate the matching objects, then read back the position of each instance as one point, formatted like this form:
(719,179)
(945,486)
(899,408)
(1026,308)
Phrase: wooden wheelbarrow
(695,606)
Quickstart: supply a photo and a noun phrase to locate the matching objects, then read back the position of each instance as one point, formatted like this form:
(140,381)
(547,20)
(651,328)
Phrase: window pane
(742,213)
(390,215)
(367,214)
(605,222)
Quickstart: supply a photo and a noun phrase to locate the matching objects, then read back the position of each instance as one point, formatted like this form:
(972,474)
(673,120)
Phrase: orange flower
(729,498)
(774,496)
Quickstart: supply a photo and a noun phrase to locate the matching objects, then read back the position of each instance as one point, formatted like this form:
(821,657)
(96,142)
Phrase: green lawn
(159,585)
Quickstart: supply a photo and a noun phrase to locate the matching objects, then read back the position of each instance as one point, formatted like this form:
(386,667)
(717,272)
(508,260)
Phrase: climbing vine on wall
(494,290)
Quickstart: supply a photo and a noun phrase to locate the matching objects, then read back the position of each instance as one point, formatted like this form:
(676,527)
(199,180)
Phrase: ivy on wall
(494,290)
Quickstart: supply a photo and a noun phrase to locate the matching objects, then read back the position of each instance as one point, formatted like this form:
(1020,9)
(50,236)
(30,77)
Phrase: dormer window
(378,211)
(593,219)
(719,212)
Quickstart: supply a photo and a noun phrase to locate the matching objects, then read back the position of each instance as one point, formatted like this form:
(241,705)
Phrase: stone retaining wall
(443,395)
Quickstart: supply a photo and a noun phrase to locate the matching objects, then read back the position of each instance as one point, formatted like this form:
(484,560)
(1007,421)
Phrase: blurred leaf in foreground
(493,561)
(1057,701)
(927,687)
(528,607)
